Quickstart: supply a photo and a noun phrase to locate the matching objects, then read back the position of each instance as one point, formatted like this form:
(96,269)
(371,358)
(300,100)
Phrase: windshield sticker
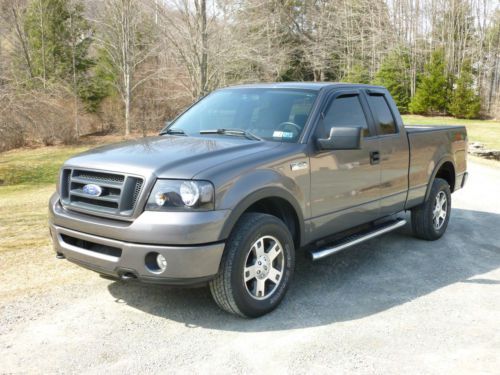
(280,134)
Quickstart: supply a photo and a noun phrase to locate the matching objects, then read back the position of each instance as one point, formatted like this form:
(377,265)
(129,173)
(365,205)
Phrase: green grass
(484,131)
(28,179)
(36,166)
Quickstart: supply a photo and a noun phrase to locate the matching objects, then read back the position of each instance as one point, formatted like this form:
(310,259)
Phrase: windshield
(271,114)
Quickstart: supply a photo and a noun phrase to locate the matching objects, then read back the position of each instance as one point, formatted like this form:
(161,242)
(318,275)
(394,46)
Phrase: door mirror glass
(342,138)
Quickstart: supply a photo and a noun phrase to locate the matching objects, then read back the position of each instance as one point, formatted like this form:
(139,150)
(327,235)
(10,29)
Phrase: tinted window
(383,115)
(345,111)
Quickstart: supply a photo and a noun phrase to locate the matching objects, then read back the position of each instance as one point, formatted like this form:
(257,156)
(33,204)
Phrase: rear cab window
(384,120)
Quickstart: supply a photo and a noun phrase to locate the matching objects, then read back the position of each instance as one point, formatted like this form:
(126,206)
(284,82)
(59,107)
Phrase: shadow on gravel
(372,277)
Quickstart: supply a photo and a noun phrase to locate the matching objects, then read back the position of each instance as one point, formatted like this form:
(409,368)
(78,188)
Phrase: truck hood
(168,156)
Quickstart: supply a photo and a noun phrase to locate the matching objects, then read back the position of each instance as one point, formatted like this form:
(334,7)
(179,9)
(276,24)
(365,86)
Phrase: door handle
(374,157)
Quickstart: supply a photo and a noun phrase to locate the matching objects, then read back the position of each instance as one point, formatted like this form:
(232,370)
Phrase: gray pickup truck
(244,178)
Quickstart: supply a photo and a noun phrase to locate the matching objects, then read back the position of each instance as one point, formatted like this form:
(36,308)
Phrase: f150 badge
(93,190)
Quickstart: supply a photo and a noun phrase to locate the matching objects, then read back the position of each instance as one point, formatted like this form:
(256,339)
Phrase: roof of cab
(304,85)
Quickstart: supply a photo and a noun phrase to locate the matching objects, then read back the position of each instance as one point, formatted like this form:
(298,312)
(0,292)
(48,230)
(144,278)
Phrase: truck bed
(431,146)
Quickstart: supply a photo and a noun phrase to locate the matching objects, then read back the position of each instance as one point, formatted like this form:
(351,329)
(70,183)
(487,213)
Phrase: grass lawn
(484,131)
(34,166)
(25,246)
(27,179)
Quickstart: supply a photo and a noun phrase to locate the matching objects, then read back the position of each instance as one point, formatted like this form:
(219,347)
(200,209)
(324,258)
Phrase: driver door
(345,184)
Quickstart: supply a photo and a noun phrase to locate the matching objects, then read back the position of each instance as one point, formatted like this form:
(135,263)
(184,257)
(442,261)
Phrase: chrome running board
(356,239)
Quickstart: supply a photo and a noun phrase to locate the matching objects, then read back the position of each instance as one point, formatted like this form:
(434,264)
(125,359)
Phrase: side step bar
(356,239)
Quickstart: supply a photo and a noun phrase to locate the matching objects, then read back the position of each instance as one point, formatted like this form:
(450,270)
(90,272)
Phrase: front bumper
(79,238)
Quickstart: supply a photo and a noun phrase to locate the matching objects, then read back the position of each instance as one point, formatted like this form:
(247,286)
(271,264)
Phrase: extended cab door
(394,151)
(345,184)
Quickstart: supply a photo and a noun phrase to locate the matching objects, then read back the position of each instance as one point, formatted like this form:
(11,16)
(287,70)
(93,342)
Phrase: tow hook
(128,276)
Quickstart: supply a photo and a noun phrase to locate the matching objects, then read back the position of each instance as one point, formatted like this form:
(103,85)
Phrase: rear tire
(256,267)
(430,220)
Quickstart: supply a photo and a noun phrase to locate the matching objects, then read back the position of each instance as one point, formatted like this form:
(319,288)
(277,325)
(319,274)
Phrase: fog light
(162,262)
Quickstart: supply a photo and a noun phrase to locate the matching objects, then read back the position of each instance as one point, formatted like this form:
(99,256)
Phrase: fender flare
(438,166)
(266,192)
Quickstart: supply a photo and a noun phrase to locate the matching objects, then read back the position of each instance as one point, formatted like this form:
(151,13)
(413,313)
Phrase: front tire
(256,267)
(430,219)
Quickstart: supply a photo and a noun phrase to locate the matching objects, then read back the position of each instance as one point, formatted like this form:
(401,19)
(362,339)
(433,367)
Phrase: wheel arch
(274,201)
(445,169)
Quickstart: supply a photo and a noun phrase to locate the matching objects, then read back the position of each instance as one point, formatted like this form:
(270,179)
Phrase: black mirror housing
(342,138)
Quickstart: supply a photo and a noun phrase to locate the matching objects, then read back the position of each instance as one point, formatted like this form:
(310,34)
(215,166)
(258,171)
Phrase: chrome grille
(119,192)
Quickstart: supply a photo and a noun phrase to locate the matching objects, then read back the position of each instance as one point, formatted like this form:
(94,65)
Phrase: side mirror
(342,139)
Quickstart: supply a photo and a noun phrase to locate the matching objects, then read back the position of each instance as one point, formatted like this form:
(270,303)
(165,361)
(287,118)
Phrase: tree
(433,91)
(202,39)
(490,64)
(58,38)
(56,46)
(99,83)
(395,75)
(78,35)
(465,102)
(267,49)
(127,40)
(358,74)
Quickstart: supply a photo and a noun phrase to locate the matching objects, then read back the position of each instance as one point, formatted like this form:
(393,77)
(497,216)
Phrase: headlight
(179,195)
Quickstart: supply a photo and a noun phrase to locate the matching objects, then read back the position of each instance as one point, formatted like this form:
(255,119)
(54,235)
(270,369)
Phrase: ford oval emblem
(93,190)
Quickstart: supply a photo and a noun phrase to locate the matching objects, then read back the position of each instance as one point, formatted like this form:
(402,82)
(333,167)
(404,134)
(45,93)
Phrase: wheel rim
(264,266)
(440,210)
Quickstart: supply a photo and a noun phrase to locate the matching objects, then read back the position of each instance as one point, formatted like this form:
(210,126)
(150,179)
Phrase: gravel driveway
(394,304)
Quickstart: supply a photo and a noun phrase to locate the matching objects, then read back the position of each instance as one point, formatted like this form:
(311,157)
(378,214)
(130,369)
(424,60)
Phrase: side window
(345,111)
(383,116)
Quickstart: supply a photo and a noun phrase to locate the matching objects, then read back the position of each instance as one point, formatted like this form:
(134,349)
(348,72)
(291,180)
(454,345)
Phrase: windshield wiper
(173,132)
(236,132)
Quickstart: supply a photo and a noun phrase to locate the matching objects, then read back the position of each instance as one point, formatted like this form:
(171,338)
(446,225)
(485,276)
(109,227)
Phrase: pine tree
(394,75)
(433,91)
(59,39)
(358,74)
(465,103)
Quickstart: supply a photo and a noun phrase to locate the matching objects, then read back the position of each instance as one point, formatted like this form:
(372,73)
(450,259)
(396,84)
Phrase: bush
(36,117)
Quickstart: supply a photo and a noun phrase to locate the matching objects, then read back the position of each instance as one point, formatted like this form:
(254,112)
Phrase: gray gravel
(392,305)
